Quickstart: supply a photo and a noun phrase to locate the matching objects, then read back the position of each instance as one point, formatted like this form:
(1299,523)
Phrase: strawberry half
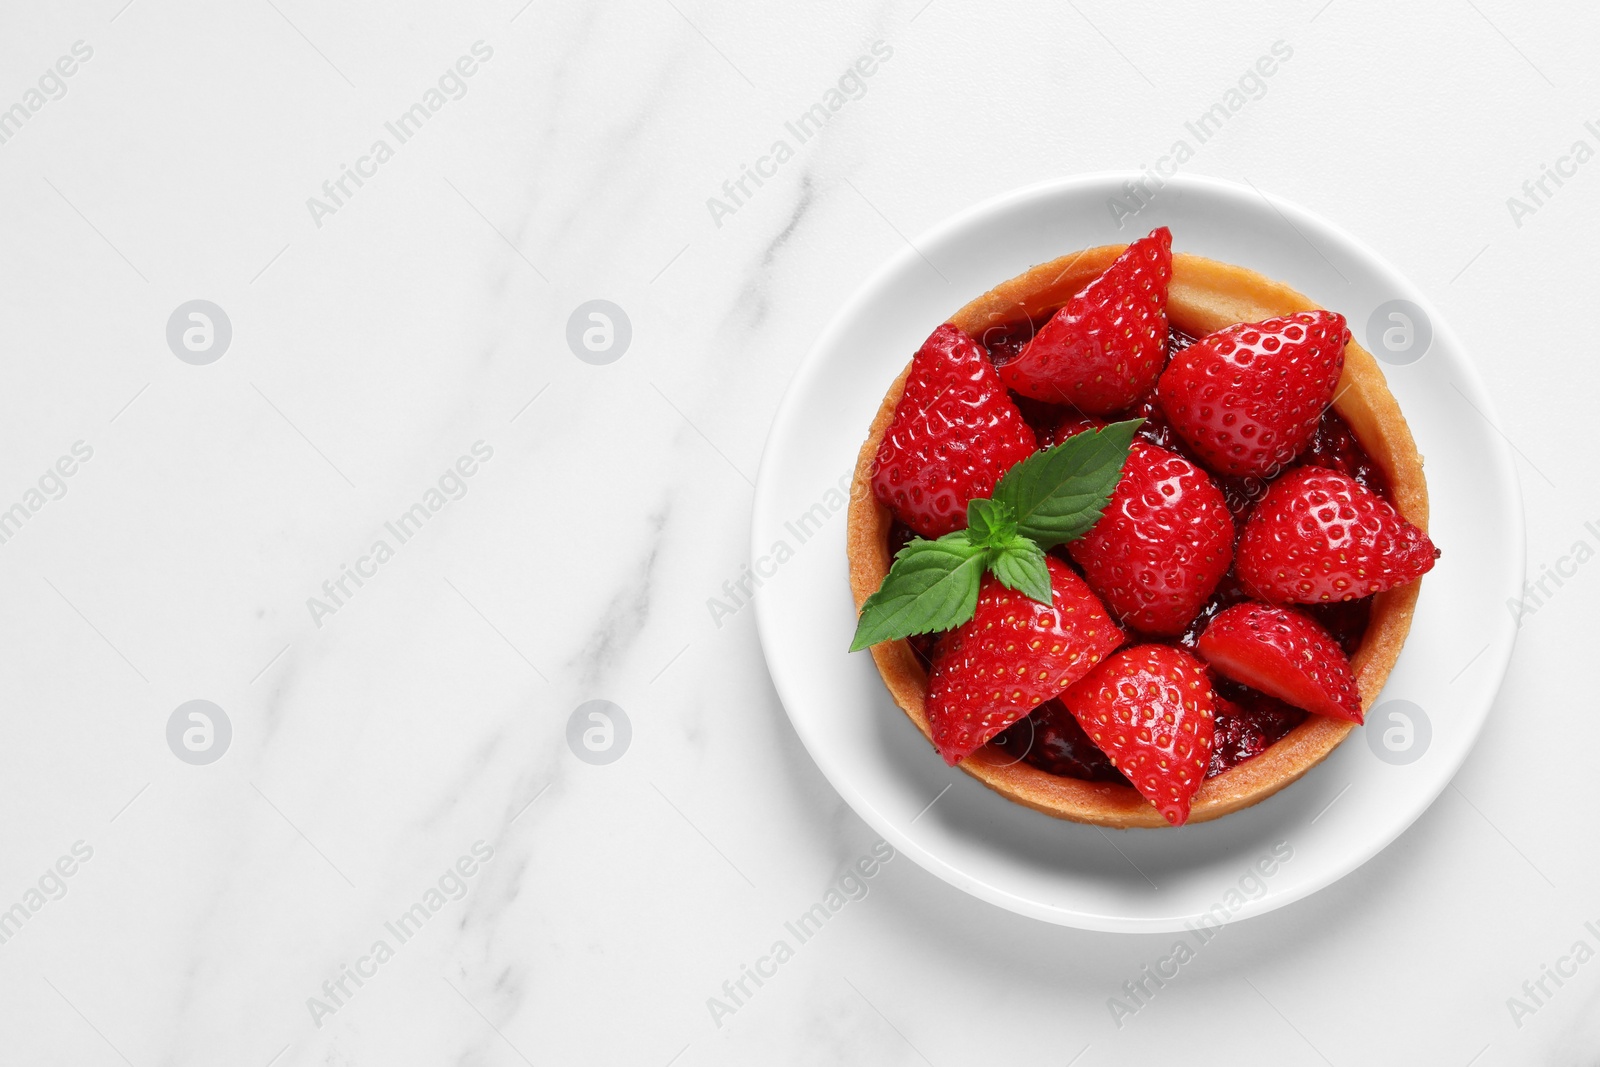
(1247,398)
(1283,654)
(1011,656)
(1106,346)
(954,433)
(1319,535)
(1162,544)
(1152,710)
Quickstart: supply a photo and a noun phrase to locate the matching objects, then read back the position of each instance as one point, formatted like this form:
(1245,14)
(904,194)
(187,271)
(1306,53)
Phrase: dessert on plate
(1136,537)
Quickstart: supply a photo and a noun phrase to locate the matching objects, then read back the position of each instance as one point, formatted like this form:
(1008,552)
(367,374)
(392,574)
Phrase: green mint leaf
(990,523)
(1057,494)
(1020,565)
(933,585)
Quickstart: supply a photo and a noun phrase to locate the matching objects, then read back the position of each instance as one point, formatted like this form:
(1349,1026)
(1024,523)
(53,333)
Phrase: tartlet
(1204,296)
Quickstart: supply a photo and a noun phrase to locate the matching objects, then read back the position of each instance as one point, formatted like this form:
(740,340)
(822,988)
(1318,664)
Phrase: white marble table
(398,529)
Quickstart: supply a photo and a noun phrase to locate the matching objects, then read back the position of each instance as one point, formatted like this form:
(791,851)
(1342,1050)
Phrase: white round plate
(1315,831)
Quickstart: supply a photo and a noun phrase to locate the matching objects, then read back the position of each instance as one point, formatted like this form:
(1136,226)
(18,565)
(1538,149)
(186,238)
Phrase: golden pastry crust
(1205,296)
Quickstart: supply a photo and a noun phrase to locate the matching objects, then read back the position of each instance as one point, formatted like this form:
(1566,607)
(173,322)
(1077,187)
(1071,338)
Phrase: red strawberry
(1163,542)
(1283,654)
(1011,656)
(954,433)
(1106,346)
(1319,535)
(1152,710)
(1248,398)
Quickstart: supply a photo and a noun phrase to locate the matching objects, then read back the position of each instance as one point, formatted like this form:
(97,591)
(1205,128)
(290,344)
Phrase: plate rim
(787,411)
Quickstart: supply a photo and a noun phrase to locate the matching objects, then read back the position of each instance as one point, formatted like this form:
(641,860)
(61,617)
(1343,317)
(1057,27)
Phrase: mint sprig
(1052,497)
(1058,494)
(930,586)
(1021,566)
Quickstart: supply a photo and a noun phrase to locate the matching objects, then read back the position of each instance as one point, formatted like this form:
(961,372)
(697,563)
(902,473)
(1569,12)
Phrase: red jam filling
(1051,739)
(1248,721)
